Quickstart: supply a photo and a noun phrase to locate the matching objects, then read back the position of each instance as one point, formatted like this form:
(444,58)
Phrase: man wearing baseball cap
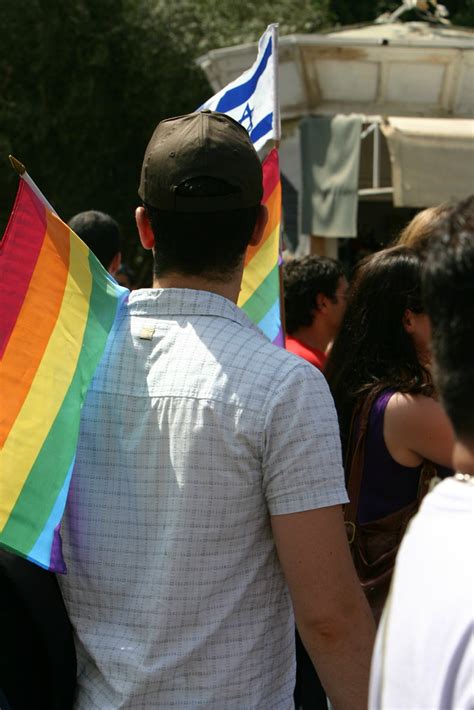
(205,503)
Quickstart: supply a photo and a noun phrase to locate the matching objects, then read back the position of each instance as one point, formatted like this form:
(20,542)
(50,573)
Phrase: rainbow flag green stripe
(261,300)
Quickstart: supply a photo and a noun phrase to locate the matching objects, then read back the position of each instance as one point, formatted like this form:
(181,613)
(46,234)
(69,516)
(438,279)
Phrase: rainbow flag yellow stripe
(260,293)
(57,307)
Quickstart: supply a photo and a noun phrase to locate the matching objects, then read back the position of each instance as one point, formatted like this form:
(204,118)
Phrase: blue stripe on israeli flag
(240,95)
(261,130)
(250,99)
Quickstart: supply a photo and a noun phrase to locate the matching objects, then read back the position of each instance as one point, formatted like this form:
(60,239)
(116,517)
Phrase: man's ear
(145,231)
(115,263)
(260,225)
(407,320)
(321,302)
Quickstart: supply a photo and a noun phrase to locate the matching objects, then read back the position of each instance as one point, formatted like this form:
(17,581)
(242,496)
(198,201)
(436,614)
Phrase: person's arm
(416,428)
(332,614)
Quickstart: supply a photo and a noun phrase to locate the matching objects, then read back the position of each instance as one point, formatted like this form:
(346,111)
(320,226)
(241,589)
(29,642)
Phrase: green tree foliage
(83,84)
(462,12)
(347,12)
(208,24)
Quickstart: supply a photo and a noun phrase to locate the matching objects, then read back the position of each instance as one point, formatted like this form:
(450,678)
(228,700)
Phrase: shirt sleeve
(302,461)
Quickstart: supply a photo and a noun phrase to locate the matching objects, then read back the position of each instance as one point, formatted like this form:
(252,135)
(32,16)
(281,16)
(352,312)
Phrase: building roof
(399,68)
(408,34)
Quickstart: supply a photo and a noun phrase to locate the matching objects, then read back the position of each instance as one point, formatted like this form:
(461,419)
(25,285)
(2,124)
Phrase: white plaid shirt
(196,429)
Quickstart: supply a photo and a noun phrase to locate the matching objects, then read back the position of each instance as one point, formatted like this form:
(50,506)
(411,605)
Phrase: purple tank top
(386,486)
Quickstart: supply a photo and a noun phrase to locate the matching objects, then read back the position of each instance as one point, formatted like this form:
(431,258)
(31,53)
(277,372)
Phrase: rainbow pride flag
(57,307)
(260,294)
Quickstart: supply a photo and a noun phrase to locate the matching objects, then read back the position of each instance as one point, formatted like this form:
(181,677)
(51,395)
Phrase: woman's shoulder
(416,428)
(407,404)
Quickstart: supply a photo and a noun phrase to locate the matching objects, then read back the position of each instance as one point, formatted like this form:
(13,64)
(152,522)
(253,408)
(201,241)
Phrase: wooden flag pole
(20,170)
(18,167)
(277,123)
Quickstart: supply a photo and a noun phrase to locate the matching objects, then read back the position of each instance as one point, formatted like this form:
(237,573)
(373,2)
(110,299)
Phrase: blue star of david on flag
(247,115)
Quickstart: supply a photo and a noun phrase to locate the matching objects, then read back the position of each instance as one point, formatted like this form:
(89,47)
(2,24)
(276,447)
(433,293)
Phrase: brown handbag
(374,545)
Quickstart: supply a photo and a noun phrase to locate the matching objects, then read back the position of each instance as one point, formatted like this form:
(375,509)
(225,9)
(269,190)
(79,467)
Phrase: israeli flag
(252,98)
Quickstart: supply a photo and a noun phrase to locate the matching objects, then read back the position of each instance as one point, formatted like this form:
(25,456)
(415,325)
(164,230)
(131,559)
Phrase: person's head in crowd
(125,276)
(315,290)
(448,291)
(420,229)
(101,233)
(201,187)
(384,338)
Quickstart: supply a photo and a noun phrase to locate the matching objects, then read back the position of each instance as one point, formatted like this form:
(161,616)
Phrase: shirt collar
(185,302)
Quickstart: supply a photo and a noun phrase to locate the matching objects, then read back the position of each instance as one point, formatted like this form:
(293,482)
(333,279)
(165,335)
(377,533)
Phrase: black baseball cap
(202,144)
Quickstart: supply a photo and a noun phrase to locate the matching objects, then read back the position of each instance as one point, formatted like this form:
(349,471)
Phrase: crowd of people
(227,490)
(397,438)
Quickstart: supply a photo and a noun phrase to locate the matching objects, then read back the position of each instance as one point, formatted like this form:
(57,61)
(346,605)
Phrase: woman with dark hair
(391,424)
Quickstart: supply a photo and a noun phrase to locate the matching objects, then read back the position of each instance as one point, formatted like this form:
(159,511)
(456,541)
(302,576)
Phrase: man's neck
(313,337)
(463,456)
(228,289)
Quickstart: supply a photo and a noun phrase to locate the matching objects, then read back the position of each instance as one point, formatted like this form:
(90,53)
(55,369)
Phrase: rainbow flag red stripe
(57,308)
(260,294)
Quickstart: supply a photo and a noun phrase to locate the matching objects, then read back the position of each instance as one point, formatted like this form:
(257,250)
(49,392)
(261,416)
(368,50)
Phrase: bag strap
(355,453)
(427,474)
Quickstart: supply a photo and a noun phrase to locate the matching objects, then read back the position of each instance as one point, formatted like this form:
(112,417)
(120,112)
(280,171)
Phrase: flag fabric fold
(251,99)
(57,308)
(260,293)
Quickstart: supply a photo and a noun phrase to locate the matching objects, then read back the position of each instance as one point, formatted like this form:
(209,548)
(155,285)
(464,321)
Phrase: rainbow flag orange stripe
(57,308)
(260,293)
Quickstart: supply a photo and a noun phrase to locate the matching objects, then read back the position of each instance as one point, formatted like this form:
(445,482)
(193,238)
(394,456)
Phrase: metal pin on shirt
(147,333)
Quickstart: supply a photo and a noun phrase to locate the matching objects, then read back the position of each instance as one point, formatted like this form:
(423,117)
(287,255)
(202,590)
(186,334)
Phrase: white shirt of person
(424,654)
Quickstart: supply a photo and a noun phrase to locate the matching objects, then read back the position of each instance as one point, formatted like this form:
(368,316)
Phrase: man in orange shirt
(315,301)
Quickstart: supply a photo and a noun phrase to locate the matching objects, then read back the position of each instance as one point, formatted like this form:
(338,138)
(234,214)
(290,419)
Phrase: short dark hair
(100,232)
(207,244)
(303,279)
(448,291)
